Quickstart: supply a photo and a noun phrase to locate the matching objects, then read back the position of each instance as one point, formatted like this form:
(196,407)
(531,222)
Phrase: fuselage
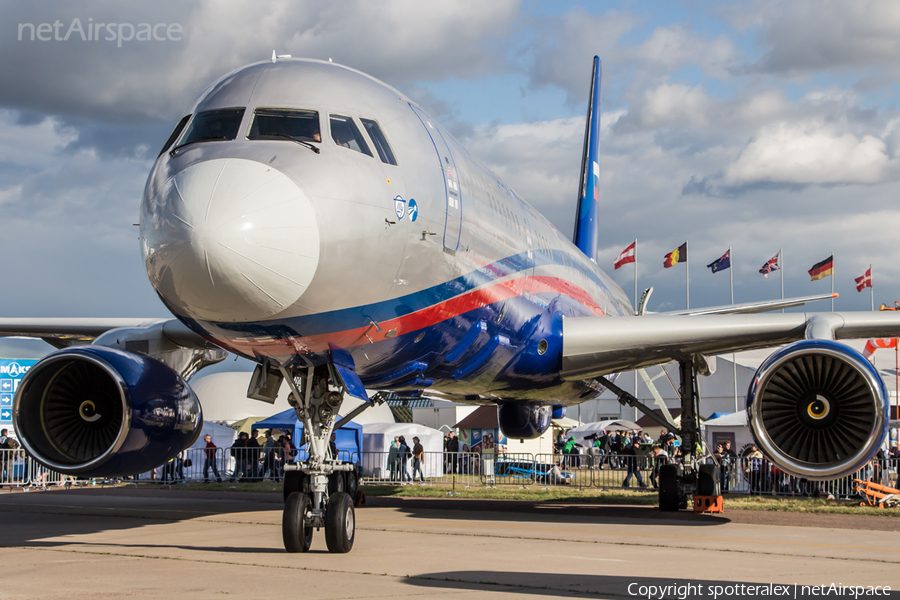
(391,242)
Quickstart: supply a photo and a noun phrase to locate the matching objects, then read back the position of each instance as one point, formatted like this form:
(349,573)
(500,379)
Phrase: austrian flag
(627,256)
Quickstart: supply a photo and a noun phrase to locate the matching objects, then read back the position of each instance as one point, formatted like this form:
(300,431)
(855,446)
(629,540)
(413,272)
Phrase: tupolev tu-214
(316,221)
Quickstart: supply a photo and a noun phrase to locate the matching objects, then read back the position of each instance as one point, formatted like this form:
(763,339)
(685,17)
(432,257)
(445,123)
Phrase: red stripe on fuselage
(414,321)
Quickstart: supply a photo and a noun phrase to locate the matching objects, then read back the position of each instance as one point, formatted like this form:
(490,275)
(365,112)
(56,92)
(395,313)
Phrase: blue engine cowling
(95,411)
(524,421)
(818,409)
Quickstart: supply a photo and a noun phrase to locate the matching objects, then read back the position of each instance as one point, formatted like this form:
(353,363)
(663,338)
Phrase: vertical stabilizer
(588,190)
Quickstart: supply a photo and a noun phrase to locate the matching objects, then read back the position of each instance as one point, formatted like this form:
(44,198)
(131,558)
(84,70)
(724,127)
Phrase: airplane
(313,219)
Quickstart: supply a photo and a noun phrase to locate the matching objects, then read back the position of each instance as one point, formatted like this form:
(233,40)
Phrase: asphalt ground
(171,544)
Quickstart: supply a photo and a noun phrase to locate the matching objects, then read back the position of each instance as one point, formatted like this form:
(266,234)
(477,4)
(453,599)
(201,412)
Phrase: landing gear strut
(314,488)
(687,477)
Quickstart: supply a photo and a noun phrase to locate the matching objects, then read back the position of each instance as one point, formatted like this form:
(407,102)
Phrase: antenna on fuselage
(275,57)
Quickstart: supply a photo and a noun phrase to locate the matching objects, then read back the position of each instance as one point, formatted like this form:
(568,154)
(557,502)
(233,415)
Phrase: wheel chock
(709,504)
(360,499)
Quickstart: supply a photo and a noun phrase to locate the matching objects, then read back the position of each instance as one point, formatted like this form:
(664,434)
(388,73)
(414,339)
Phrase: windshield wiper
(204,138)
(288,137)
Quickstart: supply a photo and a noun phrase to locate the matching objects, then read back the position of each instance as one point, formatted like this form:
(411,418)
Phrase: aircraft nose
(230,240)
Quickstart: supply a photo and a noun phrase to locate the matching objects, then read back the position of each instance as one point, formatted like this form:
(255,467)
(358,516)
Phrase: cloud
(401,40)
(807,36)
(810,153)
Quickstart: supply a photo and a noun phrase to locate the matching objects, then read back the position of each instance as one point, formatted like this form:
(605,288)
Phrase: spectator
(239,452)
(394,459)
(753,467)
(405,455)
(418,460)
(268,460)
(453,452)
(895,456)
(730,459)
(332,446)
(210,460)
(658,458)
(630,454)
(253,455)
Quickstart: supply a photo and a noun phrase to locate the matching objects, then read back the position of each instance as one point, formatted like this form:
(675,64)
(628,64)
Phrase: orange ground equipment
(709,504)
(877,494)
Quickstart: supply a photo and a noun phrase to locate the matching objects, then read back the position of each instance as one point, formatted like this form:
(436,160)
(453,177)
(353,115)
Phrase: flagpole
(635,308)
(872,285)
(781,257)
(687,273)
(733,357)
(832,281)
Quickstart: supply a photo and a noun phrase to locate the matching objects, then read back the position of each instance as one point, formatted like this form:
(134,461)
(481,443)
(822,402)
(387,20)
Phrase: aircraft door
(452,192)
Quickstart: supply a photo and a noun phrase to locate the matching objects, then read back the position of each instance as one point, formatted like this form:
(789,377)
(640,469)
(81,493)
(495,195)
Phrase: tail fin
(589,196)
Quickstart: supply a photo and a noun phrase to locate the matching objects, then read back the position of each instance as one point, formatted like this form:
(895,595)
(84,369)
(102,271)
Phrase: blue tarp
(349,438)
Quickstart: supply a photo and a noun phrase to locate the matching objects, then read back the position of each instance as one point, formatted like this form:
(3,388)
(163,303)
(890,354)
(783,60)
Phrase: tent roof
(288,419)
(484,417)
(730,420)
(566,423)
(405,429)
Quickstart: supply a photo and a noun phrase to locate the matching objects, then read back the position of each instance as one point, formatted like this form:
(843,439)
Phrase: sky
(756,125)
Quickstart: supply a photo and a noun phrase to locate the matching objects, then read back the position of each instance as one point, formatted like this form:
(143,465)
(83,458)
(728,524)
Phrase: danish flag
(865,281)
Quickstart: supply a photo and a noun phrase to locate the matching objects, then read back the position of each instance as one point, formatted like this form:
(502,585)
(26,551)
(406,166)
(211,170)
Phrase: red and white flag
(627,256)
(865,281)
(873,345)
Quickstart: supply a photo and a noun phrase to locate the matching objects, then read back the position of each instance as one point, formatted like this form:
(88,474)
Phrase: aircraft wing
(595,346)
(62,332)
(752,307)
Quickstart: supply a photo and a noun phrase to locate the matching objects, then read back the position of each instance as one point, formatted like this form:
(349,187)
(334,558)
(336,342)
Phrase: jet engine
(817,409)
(96,411)
(523,420)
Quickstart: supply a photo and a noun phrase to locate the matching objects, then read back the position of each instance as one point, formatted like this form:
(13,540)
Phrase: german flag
(678,255)
(822,269)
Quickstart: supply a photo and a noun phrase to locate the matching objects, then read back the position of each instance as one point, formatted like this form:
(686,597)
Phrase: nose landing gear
(314,487)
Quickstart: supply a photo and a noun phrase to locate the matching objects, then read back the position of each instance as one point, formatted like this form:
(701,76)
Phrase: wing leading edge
(595,346)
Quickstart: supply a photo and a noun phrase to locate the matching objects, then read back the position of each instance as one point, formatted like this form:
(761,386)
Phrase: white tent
(732,427)
(377,439)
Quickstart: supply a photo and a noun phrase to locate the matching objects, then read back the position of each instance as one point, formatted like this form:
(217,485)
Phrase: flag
(627,256)
(721,264)
(771,265)
(822,269)
(873,345)
(865,281)
(678,255)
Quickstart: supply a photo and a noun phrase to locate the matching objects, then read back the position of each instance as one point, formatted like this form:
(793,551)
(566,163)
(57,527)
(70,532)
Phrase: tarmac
(181,543)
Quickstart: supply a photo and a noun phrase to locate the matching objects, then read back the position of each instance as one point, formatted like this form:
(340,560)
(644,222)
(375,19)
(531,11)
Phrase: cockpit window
(175,133)
(345,133)
(211,125)
(297,124)
(381,143)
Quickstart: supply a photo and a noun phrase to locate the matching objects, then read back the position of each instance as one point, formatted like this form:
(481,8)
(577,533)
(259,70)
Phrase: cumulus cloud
(810,153)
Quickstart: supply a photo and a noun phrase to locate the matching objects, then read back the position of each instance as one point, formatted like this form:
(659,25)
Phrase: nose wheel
(296,523)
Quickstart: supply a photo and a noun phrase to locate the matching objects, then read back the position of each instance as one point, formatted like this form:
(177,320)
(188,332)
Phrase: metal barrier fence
(749,475)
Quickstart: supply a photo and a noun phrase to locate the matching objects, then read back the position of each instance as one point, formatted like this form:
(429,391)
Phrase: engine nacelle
(817,409)
(523,420)
(102,412)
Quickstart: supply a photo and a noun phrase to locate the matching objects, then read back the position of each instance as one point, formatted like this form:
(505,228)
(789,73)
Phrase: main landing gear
(316,489)
(686,477)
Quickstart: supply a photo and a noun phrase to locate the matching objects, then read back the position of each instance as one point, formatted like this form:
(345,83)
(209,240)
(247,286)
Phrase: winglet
(588,191)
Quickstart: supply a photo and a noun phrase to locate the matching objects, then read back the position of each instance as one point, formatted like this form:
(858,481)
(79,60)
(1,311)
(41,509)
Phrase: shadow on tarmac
(559,512)
(564,585)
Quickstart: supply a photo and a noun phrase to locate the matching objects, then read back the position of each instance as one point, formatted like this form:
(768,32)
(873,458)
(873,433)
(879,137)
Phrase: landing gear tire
(340,523)
(670,496)
(352,484)
(297,535)
(336,483)
(708,481)
(294,481)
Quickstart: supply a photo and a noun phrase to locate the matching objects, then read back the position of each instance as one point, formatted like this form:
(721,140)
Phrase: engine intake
(523,421)
(98,412)
(817,409)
